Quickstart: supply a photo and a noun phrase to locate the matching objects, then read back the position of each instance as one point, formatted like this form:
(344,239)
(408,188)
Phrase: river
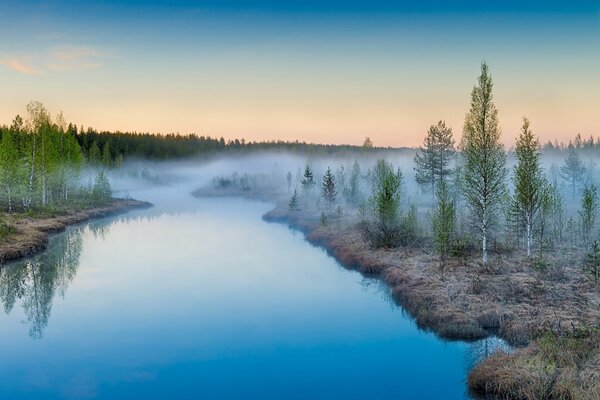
(200,298)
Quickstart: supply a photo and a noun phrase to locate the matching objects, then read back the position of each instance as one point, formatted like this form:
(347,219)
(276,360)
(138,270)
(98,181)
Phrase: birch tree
(528,181)
(484,158)
(10,167)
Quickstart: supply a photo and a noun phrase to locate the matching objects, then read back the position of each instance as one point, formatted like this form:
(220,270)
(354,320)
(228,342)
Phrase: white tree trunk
(528,235)
(484,241)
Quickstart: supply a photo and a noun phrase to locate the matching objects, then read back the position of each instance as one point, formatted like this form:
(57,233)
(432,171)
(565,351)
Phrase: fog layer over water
(200,298)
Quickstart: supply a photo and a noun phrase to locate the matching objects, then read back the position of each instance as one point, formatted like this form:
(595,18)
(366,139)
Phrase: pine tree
(592,262)
(433,159)
(308,182)
(328,188)
(588,212)
(528,181)
(484,159)
(573,170)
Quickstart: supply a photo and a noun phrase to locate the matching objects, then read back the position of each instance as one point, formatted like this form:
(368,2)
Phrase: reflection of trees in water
(378,286)
(481,349)
(37,280)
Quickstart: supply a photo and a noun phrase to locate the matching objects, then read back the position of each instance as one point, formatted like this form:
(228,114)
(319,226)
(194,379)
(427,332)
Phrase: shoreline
(32,233)
(455,307)
(543,317)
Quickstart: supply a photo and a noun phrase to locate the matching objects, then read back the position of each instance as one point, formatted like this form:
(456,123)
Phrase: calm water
(202,299)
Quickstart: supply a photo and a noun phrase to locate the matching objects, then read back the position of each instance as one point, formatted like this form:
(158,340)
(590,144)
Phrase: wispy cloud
(19,65)
(57,58)
(69,58)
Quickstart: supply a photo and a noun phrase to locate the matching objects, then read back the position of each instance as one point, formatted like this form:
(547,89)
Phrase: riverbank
(468,301)
(544,314)
(28,234)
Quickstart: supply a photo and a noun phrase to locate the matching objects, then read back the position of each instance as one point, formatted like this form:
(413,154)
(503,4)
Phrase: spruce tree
(573,170)
(433,159)
(293,203)
(307,181)
(328,187)
(484,159)
(528,181)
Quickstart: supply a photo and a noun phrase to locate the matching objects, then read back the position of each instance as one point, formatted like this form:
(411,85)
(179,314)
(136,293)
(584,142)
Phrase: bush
(6,230)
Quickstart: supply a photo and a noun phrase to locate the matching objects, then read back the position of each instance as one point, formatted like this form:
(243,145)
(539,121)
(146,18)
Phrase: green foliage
(40,161)
(293,203)
(588,212)
(94,156)
(592,262)
(6,230)
(101,191)
(529,181)
(444,219)
(385,202)
(484,159)
(308,181)
(433,159)
(539,264)
(328,187)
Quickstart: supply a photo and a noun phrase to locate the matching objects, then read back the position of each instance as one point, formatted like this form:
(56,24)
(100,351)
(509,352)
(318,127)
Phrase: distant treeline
(578,142)
(117,146)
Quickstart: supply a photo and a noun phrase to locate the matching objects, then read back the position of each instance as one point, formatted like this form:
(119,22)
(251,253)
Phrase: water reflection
(35,282)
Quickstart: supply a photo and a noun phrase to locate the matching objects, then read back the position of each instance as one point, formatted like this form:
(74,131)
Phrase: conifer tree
(433,159)
(293,203)
(328,188)
(573,170)
(308,181)
(528,181)
(484,159)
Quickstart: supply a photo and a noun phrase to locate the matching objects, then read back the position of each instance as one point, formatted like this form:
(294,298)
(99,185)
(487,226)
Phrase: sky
(317,71)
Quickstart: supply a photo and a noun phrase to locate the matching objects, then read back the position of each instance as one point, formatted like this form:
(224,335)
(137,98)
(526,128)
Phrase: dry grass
(30,234)
(552,367)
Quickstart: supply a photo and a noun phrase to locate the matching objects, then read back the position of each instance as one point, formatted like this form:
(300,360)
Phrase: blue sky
(327,71)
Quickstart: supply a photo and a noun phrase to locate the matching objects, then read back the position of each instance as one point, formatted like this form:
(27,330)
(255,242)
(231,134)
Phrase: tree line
(41,162)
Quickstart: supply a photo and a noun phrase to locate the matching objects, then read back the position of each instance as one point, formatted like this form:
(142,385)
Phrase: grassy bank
(541,312)
(24,234)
